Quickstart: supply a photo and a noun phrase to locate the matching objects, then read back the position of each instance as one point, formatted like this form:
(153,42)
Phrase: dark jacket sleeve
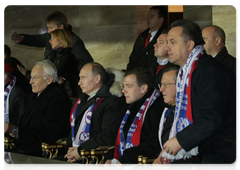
(80,52)
(17,104)
(133,57)
(149,142)
(113,113)
(36,40)
(209,107)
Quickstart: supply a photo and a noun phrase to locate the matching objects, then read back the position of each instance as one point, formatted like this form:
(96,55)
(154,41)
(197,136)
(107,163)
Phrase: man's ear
(144,88)
(161,20)
(61,26)
(97,78)
(218,41)
(190,45)
(49,79)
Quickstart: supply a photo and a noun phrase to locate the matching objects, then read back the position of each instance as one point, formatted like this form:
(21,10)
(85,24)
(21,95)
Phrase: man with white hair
(47,115)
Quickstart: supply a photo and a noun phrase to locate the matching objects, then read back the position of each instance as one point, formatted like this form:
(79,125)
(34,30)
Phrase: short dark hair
(143,76)
(7,50)
(191,31)
(98,69)
(162,12)
(165,31)
(58,18)
(170,67)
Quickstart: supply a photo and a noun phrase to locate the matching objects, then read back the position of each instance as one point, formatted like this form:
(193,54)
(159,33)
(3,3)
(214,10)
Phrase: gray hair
(49,69)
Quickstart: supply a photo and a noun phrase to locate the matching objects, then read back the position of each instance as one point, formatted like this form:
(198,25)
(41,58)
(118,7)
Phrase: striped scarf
(134,133)
(83,133)
(183,110)
(6,98)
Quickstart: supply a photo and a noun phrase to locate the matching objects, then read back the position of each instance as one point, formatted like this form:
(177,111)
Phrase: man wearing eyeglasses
(167,122)
(47,115)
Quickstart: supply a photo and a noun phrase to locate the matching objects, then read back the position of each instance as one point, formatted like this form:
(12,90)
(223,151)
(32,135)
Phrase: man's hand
(108,164)
(161,160)
(72,155)
(16,38)
(8,127)
(172,146)
(22,69)
(119,166)
(157,166)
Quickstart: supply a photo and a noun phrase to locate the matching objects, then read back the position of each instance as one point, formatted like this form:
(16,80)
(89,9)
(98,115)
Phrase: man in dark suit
(14,97)
(97,114)
(214,38)
(47,115)
(143,51)
(206,99)
(162,58)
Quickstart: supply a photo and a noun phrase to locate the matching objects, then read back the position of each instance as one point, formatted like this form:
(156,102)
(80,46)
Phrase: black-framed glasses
(165,85)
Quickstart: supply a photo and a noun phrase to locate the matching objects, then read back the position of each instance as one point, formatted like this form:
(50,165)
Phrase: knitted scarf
(134,133)
(83,133)
(183,109)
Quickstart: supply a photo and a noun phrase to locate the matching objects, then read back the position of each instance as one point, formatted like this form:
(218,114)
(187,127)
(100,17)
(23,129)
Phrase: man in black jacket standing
(56,20)
(97,114)
(214,38)
(206,99)
(143,51)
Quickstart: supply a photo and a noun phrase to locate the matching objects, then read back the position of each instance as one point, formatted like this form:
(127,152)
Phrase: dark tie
(147,40)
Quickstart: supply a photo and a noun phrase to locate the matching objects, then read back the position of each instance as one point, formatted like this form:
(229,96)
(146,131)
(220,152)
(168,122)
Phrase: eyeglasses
(165,85)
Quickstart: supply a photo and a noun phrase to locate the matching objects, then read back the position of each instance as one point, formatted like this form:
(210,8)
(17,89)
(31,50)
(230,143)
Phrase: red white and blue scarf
(183,109)
(6,98)
(83,133)
(134,132)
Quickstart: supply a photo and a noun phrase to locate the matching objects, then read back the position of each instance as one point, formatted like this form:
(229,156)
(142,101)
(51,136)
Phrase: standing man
(162,58)
(97,114)
(138,133)
(206,99)
(143,51)
(56,20)
(214,38)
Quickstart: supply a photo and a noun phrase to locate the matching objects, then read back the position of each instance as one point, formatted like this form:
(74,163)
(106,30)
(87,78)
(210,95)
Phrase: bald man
(214,38)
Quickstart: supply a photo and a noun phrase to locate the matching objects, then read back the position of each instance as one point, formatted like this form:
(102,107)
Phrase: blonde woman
(65,61)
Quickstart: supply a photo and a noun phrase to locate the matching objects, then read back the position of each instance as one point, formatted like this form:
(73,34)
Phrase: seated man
(22,81)
(97,114)
(167,122)
(47,115)
(14,97)
(138,133)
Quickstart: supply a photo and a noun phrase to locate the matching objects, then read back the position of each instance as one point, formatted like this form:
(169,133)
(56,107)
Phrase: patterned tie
(147,39)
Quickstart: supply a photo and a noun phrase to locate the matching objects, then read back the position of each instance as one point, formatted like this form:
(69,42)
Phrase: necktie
(147,40)
(159,68)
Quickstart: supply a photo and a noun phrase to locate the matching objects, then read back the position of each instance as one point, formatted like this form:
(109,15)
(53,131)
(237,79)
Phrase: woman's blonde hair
(64,36)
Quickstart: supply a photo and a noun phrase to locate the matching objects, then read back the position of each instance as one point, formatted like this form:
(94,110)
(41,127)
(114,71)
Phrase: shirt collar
(163,62)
